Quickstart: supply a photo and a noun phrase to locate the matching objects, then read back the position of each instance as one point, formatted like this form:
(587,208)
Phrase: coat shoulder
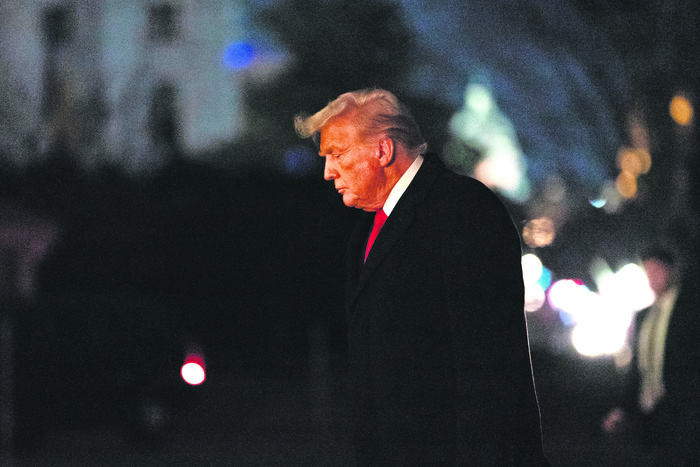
(456,195)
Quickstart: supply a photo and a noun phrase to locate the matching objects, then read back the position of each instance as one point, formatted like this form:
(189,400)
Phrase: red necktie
(379,219)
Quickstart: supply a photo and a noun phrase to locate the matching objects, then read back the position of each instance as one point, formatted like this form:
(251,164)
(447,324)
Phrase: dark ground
(293,420)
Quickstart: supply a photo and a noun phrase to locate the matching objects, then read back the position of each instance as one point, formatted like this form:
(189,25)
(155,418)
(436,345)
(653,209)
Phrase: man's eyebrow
(330,148)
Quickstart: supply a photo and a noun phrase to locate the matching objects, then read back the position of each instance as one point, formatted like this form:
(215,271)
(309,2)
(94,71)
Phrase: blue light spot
(566,318)
(238,55)
(545,279)
(299,161)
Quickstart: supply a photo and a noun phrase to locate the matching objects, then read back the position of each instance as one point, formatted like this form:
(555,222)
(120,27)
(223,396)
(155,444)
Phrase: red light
(193,371)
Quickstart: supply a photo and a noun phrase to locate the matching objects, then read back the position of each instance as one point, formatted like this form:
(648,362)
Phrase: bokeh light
(598,335)
(536,279)
(500,169)
(238,55)
(539,232)
(571,297)
(535,297)
(192,373)
(193,370)
(681,110)
(545,279)
(609,198)
(482,126)
(626,185)
(532,268)
(627,290)
(300,161)
(601,320)
(634,161)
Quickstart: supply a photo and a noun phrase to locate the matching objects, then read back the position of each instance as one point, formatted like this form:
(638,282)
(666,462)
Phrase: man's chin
(350,201)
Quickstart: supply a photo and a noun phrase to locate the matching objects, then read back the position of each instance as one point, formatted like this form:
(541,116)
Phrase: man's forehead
(336,133)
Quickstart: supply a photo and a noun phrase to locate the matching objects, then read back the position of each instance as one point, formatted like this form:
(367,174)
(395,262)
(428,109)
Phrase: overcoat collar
(409,209)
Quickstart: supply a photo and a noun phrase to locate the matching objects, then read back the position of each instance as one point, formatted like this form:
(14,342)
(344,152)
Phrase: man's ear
(386,151)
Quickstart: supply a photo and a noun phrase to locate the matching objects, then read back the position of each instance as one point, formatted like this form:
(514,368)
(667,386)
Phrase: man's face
(353,164)
(659,275)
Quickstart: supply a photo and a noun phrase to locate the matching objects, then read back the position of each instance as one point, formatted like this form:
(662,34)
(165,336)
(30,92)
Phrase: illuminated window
(163,22)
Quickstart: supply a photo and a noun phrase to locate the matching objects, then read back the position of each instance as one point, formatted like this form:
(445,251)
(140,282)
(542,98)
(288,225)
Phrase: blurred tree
(336,46)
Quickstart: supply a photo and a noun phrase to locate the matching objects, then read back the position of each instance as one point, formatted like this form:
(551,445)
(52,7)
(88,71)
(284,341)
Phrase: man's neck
(402,184)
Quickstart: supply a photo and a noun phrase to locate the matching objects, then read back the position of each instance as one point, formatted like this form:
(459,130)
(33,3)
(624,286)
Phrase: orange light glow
(626,185)
(634,161)
(539,232)
(681,110)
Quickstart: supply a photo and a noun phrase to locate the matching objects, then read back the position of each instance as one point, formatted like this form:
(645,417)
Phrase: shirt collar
(401,186)
(667,299)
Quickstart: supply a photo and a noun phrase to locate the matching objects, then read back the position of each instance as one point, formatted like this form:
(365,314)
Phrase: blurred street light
(193,369)
(681,110)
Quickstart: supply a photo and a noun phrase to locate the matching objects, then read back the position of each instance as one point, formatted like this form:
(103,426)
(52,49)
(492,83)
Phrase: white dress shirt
(401,186)
(651,348)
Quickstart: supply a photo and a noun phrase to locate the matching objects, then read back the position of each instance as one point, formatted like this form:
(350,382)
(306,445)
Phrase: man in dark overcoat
(439,360)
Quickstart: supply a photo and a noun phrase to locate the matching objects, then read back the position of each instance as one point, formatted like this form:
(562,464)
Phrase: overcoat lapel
(357,243)
(402,217)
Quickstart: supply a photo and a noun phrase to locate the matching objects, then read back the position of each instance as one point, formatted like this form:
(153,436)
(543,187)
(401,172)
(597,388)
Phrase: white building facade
(123,82)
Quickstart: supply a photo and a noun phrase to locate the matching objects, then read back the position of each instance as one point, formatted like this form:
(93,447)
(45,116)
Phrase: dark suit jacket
(675,422)
(439,359)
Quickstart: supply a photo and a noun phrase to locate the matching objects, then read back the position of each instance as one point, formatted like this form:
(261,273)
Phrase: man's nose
(329,173)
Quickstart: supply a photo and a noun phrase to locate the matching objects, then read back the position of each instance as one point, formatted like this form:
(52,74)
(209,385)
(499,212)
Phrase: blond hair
(376,111)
